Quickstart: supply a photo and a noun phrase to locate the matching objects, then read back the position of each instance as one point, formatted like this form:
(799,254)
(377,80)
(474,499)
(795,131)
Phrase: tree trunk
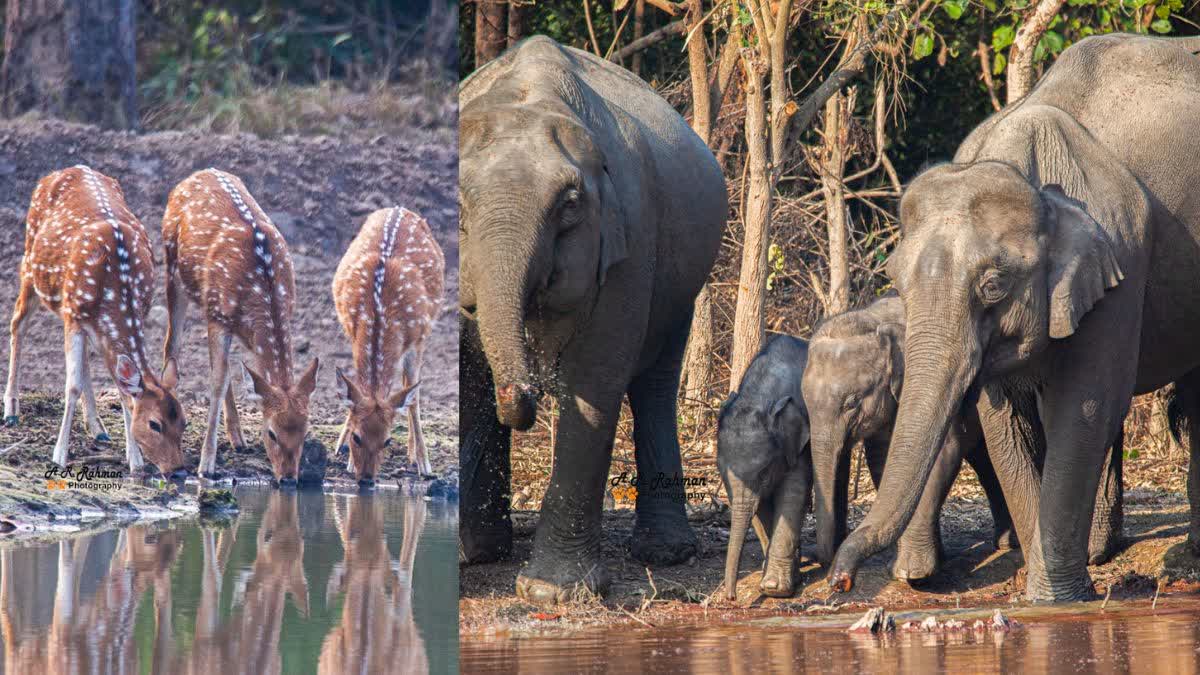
(698,359)
(71,59)
(491,29)
(639,29)
(1020,55)
(518,20)
(833,165)
(749,319)
(698,67)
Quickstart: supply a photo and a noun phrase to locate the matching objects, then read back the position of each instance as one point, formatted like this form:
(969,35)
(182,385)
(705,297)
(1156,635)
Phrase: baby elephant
(852,391)
(763,458)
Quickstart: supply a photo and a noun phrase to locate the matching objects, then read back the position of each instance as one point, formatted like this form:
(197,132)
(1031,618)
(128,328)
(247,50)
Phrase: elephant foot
(660,541)
(1006,539)
(916,562)
(1040,590)
(1102,546)
(1193,541)
(779,579)
(485,544)
(551,583)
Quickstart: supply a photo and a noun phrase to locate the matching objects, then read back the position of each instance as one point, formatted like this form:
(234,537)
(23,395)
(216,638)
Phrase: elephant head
(541,225)
(759,442)
(991,269)
(852,389)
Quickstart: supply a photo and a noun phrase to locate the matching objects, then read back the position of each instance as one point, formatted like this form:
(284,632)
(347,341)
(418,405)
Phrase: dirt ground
(317,190)
(1152,559)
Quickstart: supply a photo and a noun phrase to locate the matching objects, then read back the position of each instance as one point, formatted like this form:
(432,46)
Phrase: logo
(626,487)
(83,477)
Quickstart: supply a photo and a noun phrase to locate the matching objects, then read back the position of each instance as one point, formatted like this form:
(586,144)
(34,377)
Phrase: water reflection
(241,596)
(1164,641)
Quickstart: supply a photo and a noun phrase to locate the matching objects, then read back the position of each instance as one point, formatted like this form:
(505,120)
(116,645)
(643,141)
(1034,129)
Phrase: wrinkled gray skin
(1048,275)
(852,387)
(591,215)
(763,458)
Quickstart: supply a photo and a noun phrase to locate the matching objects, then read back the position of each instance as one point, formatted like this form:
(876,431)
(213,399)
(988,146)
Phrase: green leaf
(1162,11)
(990,5)
(998,64)
(1161,26)
(954,8)
(1052,42)
(922,46)
(1002,37)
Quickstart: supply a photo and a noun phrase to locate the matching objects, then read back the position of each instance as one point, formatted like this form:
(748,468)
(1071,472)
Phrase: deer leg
(73,349)
(219,344)
(177,303)
(341,442)
(88,395)
(411,374)
(233,423)
(133,453)
(12,409)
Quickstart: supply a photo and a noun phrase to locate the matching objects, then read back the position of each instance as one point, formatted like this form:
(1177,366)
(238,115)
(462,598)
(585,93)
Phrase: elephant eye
(569,205)
(991,289)
(853,400)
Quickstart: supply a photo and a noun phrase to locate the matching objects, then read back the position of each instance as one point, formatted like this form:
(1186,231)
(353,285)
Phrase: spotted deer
(88,260)
(387,291)
(224,254)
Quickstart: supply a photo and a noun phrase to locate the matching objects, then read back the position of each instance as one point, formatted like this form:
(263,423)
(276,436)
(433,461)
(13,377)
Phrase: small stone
(930,625)
(313,462)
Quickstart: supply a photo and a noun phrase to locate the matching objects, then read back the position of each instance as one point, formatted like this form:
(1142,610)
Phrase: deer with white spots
(224,254)
(387,291)
(88,260)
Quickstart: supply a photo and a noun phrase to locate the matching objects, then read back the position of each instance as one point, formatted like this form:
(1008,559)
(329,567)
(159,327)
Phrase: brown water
(1081,639)
(298,582)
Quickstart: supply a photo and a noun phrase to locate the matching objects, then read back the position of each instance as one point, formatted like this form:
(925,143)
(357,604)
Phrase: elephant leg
(919,552)
(1109,515)
(485,529)
(1015,441)
(790,501)
(1184,415)
(875,452)
(566,562)
(1004,534)
(662,534)
(764,524)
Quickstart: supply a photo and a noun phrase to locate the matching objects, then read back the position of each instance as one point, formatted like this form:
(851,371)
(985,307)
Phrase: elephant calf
(852,386)
(762,455)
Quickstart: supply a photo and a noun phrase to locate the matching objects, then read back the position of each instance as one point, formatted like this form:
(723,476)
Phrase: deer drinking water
(387,291)
(224,254)
(88,260)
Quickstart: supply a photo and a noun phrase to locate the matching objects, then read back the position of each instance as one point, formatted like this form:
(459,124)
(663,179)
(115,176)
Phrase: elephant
(591,216)
(764,461)
(852,388)
(1049,273)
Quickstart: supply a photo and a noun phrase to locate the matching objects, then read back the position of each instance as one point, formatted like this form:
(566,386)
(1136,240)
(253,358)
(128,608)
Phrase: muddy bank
(1152,559)
(317,190)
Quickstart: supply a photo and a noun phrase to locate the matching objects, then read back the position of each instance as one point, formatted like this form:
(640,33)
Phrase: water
(298,582)
(1131,639)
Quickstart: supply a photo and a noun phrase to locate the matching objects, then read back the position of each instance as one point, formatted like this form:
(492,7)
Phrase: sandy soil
(1152,559)
(317,190)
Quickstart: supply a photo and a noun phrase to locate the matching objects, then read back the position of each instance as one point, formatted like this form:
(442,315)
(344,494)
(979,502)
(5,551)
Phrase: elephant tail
(1177,417)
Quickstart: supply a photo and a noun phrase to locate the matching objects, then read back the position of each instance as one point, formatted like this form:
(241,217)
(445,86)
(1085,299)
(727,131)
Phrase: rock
(930,625)
(1001,622)
(874,621)
(217,501)
(313,461)
(443,488)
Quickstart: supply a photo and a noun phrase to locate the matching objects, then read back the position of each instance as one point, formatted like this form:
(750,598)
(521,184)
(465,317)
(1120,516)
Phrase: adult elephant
(591,216)
(1049,273)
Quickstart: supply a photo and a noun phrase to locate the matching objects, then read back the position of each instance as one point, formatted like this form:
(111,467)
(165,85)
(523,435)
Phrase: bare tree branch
(1020,55)
(651,39)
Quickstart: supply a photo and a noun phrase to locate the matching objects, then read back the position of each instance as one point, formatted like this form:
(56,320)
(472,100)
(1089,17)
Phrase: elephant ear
(614,228)
(891,339)
(1083,264)
(789,429)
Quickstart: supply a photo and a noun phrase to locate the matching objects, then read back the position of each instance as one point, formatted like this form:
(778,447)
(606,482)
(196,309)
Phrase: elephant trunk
(743,501)
(830,477)
(942,359)
(502,291)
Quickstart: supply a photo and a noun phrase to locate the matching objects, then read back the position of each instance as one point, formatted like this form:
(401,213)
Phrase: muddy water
(296,583)
(1071,640)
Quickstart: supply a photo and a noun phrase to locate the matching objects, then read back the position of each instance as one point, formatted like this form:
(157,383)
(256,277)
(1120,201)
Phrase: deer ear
(350,392)
(614,230)
(308,381)
(404,397)
(170,375)
(129,378)
(256,386)
(1083,264)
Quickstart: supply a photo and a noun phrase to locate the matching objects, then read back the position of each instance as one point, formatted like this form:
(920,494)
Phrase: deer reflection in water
(87,617)
(377,633)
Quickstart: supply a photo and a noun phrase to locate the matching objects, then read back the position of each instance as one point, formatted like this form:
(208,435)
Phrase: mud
(1153,559)
(317,190)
